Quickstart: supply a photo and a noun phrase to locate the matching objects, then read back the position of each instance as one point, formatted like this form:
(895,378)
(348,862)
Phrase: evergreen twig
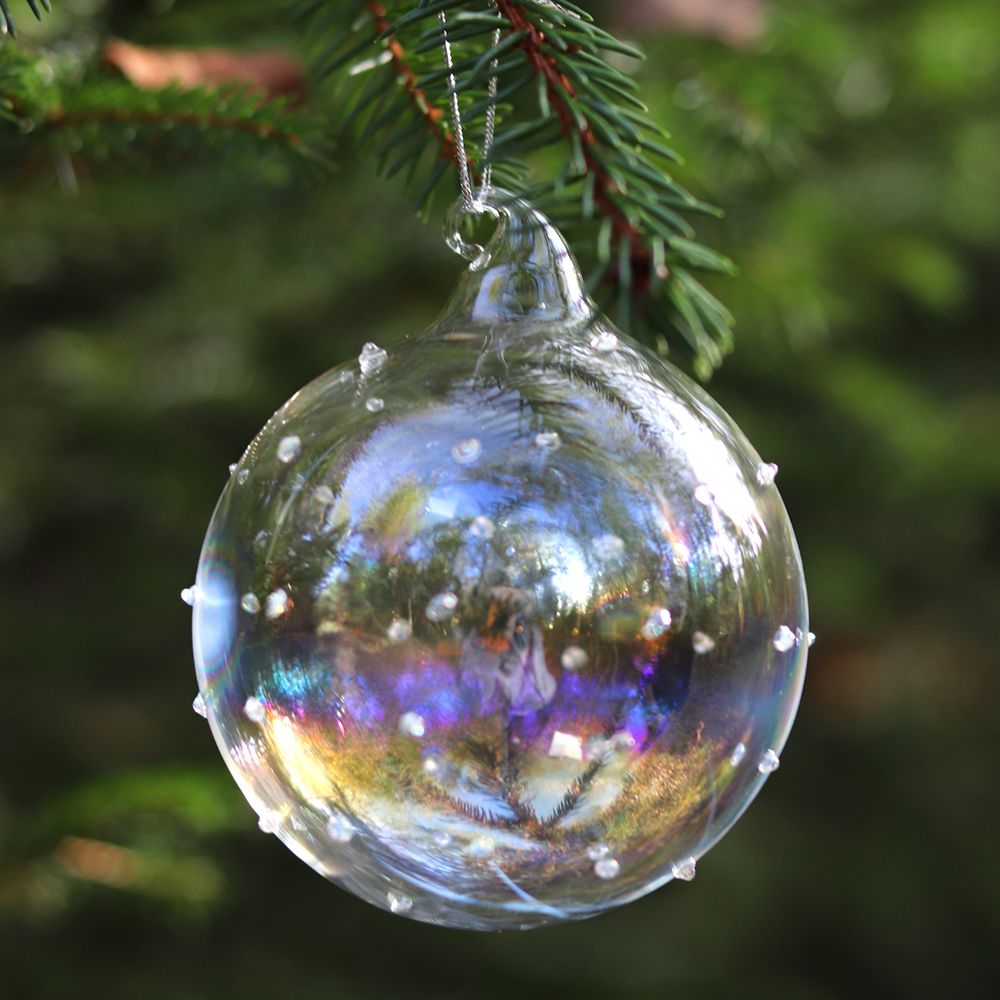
(7,24)
(63,112)
(612,192)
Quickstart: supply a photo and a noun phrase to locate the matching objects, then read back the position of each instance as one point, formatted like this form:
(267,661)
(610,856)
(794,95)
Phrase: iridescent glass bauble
(505,626)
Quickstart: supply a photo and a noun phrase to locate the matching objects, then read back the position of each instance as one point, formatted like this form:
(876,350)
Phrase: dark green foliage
(57,107)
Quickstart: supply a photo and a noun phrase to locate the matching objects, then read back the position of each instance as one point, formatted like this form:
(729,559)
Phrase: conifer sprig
(50,106)
(560,85)
(7,25)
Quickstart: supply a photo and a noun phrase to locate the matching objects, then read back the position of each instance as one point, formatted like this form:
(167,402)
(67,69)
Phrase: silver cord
(471,201)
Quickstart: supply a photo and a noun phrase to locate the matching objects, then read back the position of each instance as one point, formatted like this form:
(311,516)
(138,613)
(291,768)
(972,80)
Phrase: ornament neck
(525,273)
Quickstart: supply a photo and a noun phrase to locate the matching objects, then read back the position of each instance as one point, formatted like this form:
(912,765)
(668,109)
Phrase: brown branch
(560,89)
(63,119)
(405,73)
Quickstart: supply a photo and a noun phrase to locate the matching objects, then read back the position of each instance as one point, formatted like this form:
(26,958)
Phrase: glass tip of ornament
(466,452)
(412,724)
(607,868)
(574,658)
(399,903)
(604,342)
(442,606)
(702,643)
(199,706)
(372,358)
(548,440)
(189,595)
(277,603)
(289,449)
(339,829)
(784,639)
(685,869)
(250,603)
(254,709)
(656,624)
(767,473)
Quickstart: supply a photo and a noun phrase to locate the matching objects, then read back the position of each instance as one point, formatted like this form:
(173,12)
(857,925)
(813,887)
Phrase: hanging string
(471,202)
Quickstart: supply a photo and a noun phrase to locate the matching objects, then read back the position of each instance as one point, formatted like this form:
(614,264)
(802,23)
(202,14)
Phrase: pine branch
(47,105)
(611,192)
(7,21)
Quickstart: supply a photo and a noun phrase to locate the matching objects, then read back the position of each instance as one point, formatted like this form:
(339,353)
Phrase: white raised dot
(233,468)
(622,742)
(739,752)
(375,404)
(189,595)
(442,606)
(573,658)
(277,603)
(254,709)
(260,539)
(412,724)
(250,603)
(268,822)
(566,745)
(199,706)
(441,838)
(466,452)
(685,869)
(547,441)
(242,476)
(597,851)
(703,495)
(289,448)
(609,548)
(607,868)
(768,762)
(702,643)
(784,639)
(604,341)
(597,748)
(482,847)
(811,638)
(399,903)
(482,527)
(399,630)
(431,764)
(371,359)
(766,473)
(339,828)
(657,623)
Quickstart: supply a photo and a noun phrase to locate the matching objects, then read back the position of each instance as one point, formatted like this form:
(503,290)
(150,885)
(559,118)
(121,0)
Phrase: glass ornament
(505,626)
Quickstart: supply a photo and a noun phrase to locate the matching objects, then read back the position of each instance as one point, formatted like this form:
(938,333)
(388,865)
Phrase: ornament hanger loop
(473,203)
(455,219)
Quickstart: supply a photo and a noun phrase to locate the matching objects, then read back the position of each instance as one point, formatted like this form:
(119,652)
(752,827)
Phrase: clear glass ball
(505,627)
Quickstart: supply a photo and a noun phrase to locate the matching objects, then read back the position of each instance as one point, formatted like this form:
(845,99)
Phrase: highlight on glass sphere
(506,626)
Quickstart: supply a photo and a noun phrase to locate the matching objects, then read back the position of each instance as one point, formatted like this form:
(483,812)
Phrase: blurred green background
(150,323)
